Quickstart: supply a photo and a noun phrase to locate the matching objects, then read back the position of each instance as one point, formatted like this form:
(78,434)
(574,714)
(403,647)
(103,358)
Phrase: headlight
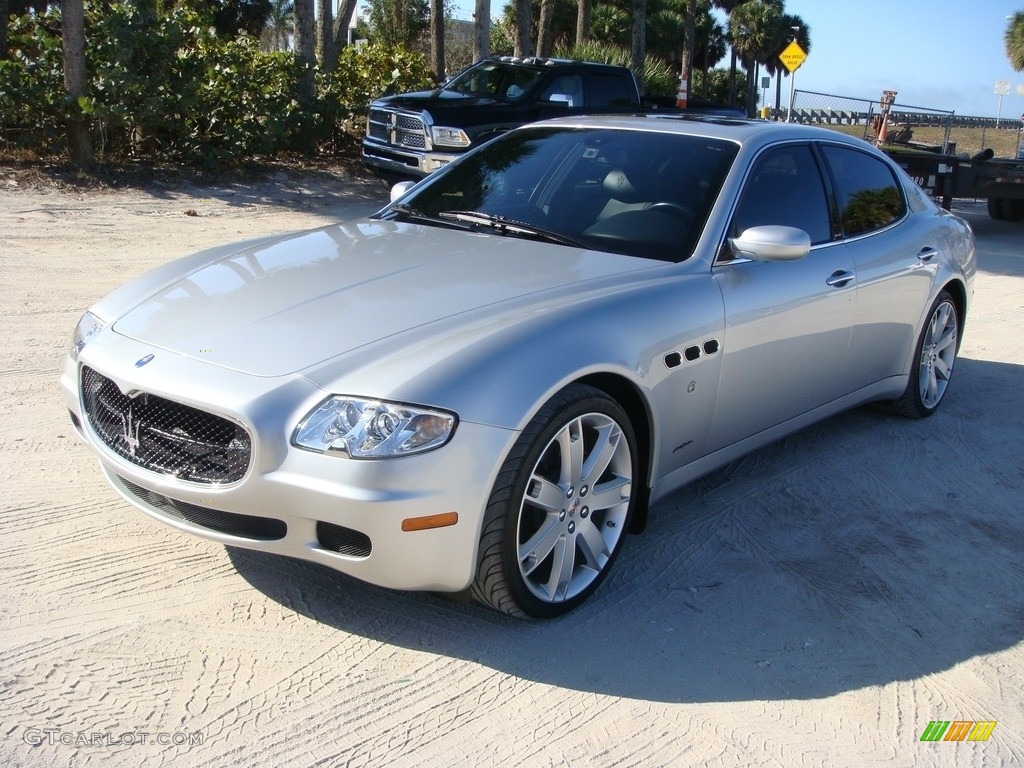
(448,137)
(87,326)
(373,429)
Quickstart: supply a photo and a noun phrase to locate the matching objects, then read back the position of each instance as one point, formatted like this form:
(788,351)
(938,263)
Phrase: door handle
(839,278)
(927,254)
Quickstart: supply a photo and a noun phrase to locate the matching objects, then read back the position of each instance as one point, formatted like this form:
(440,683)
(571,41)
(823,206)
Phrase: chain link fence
(861,117)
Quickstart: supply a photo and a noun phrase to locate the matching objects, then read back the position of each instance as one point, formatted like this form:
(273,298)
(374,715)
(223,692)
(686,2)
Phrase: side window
(608,91)
(785,187)
(567,89)
(869,196)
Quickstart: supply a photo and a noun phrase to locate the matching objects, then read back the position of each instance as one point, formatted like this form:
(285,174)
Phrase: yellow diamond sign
(793,56)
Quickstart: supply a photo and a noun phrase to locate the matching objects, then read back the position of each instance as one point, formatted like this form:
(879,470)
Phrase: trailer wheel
(1013,210)
(995,208)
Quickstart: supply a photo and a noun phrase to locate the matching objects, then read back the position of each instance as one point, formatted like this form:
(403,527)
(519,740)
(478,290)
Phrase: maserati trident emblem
(130,432)
(143,360)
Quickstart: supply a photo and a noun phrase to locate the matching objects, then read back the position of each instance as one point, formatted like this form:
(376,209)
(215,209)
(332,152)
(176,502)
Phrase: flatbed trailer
(1000,181)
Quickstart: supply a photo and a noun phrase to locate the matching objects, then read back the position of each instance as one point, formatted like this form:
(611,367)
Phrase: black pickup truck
(413,134)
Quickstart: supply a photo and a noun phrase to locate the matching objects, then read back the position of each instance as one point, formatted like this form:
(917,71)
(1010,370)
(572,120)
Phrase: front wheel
(934,357)
(560,508)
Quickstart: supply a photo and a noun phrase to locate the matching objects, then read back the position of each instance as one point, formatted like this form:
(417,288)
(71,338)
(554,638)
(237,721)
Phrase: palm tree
(72,26)
(639,38)
(482,30)
(729,6)
(523,23)
(752,26)
(584,11)
(1014,40)
(280,23)
(437,39)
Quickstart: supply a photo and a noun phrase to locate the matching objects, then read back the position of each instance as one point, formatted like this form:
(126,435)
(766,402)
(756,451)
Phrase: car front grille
(397,129)
(164,436)
(243,526)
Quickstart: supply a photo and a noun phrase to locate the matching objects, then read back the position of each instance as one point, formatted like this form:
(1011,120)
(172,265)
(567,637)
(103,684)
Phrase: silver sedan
(485,385)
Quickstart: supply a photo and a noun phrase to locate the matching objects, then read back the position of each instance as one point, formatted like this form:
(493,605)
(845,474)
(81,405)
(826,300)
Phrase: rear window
(609,91)
(870,198)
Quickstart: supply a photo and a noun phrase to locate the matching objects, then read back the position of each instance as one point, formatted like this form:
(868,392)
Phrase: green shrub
(172,88)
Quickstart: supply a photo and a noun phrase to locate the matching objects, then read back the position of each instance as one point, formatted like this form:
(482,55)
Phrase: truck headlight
(86,328)
(362,428)
(448,137)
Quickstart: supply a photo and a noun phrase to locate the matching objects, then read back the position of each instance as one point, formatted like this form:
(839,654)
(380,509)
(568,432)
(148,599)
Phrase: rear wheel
(1013,210)
(560,508)
(934,357)
(995,208)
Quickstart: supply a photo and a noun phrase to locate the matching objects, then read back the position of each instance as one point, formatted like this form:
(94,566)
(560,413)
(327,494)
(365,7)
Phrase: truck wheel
(1012,210)
(995,208)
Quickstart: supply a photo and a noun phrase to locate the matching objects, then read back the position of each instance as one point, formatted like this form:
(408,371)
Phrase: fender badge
(143,360)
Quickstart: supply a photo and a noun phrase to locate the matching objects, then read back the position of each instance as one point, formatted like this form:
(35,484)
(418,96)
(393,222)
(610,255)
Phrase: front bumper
(342,513)
(404,162)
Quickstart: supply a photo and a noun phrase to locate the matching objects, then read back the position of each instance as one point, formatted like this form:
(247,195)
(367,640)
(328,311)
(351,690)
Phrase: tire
(1013,210)
(560,508)
(934,356)
(995,208)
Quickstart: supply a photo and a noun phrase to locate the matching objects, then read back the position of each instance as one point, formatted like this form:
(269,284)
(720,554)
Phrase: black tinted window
(869,197)
(639,193)
(608,91)
(785,188)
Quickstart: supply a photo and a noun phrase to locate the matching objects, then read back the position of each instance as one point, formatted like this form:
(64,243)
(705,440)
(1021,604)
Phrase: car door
(895,255)
(787,323)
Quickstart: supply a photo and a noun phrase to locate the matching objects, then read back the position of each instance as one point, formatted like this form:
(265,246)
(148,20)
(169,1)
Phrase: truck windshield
(496,78)
(639,193)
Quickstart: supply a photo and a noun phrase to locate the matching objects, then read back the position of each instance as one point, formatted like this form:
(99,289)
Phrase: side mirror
(771,243)
(557,100)
(400,189)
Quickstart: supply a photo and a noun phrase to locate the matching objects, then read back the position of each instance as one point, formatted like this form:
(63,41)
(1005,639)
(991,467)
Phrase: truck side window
(567,89)
(785,187)
(608,91)
(869,196)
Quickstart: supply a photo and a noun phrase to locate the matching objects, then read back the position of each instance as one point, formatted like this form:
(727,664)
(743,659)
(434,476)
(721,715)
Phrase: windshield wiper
(411,213)
(506,226)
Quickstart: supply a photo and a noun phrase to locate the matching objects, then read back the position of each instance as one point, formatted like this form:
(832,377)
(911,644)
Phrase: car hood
(437,99)
(282,306)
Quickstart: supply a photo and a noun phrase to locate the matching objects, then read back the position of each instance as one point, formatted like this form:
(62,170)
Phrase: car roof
(741,131)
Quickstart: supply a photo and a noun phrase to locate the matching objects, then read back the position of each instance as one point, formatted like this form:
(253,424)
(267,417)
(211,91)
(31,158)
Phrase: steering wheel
(679,210)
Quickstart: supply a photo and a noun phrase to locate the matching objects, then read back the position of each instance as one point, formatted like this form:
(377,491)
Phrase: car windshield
(496,78)
(639,193)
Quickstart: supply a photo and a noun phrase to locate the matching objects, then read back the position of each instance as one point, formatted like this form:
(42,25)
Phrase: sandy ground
(817,603)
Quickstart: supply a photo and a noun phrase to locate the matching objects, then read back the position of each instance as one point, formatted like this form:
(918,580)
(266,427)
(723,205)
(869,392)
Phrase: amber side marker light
(430,521)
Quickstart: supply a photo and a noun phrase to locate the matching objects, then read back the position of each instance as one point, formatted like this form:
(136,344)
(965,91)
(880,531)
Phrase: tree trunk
(547,17)
(639,47)
(524,17)
(72,25)
(482,30)
(328,53)
(437,39)
(304,30)
(345,10)
(689,40)
(584,11)
(4,22)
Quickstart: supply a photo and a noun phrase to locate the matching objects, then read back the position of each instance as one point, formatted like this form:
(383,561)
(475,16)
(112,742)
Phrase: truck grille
(164,436)
(397,129)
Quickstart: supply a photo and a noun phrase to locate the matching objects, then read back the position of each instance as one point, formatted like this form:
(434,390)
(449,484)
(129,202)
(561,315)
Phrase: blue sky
(943,54)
